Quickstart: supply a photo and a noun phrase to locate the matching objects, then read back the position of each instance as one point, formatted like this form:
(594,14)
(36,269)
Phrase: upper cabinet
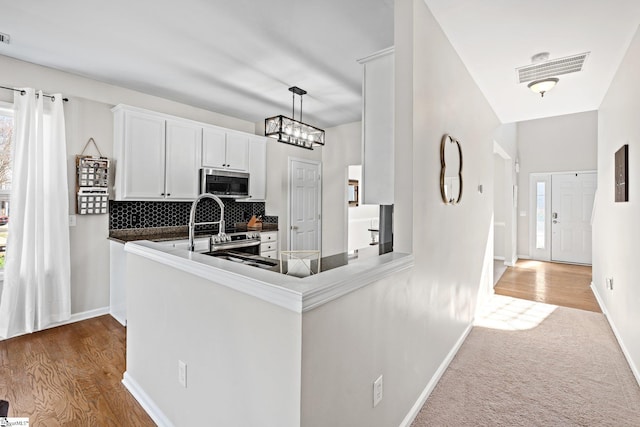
(378,129)
(225,149)
(156,158)
(257,169)
(159,157)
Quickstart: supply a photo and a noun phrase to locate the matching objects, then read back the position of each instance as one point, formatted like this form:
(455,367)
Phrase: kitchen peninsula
(208,338)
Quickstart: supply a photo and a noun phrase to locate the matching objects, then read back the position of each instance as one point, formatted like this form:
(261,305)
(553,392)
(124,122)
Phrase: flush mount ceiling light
(291,131)
(542,72)
(543,86)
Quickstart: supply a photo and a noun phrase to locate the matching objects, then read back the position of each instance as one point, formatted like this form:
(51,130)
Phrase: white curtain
(36,290)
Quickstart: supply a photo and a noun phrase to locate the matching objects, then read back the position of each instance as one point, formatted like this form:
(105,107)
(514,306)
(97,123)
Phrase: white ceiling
(239,57)
(235,57)
(494,37)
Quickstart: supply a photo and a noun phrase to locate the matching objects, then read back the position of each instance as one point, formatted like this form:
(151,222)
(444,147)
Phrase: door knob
(294,227)
(555,221)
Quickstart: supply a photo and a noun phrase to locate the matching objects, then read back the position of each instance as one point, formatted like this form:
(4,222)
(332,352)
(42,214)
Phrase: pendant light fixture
(291,131)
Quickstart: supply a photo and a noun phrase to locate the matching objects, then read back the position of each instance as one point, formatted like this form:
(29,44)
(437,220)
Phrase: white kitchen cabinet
(139,147)
(269,244)
(225,149)
(117,287)
(156,158)
(257,169)
(183,141)
(378,128)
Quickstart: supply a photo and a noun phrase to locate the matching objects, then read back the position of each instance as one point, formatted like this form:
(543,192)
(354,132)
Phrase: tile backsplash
(169,214)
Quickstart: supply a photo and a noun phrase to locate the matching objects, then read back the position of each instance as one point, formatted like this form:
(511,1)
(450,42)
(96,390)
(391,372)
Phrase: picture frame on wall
(622,174)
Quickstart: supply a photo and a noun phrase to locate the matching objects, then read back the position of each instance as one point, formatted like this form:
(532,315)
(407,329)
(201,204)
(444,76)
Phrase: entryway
(566,285)
(561,206)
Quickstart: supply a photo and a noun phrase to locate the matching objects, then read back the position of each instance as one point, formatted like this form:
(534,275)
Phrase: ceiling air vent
(552,68)
(4,38)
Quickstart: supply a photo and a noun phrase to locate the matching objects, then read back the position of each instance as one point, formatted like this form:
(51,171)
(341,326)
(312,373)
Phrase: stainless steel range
(239,241)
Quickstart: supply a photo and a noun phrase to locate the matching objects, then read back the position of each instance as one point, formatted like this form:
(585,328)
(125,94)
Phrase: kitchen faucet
(192,219)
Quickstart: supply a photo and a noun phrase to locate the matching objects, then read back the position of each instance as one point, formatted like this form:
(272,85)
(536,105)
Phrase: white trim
(499,224)
(145,401)
(89,314)
(375,55)
(627,355)
(76,317)
(498,258)
(415,409)
(295,294)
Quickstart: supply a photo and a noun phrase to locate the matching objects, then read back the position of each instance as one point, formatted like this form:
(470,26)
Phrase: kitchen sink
(246,259)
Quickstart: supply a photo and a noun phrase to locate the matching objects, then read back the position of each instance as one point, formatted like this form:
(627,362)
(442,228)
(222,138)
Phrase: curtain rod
(22,92)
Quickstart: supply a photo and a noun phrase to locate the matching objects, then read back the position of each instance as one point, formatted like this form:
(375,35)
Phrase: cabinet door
(184,140)
(257,169)
(237,152)
(213,148)
(143,157)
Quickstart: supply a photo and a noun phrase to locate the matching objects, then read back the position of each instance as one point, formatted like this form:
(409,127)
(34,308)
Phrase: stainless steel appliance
(242,241)
(224,184)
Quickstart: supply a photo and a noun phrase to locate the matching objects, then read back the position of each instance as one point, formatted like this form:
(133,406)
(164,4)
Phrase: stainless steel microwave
(224,184)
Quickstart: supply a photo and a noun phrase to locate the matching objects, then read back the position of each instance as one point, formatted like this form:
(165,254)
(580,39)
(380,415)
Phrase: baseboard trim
(498,258)
(413,413)
(76,317)
(145,401)
(632,366)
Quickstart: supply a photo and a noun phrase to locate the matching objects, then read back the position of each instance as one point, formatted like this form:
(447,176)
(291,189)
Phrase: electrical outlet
(134,219)
(377,391)
(182,373)
(609,281)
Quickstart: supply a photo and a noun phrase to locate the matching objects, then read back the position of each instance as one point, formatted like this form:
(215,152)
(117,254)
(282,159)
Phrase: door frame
(534,177)
(317,163)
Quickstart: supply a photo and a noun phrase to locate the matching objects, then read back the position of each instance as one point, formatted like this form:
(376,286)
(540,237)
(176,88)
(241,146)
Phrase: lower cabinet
(117,288)
(269,244)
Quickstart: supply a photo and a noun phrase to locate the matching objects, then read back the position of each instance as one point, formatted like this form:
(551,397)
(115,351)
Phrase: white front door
(305,205)
(572,196)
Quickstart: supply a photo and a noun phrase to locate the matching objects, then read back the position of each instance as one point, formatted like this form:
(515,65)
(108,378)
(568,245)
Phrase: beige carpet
(532,364)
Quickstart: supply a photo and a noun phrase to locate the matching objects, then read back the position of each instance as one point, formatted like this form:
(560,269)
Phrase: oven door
(248,247)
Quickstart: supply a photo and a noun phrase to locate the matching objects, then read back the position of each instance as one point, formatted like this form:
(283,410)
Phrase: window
(540,215)
(6,136)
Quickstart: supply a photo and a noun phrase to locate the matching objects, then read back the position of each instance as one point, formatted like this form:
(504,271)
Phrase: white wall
(88,114)
(616,227)
(506,146)
(249,375)
(403,327)
(556,144)
(499,214)
(343,148)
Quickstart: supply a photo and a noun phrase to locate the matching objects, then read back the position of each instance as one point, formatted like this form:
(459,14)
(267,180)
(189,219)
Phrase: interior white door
(304,201)
(572,197)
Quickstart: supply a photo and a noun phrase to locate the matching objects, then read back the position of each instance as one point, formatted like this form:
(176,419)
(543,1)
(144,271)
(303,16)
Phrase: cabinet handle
(168,194)
(162,194)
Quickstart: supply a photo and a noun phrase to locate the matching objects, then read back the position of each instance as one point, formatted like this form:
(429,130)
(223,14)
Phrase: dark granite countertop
(158,234)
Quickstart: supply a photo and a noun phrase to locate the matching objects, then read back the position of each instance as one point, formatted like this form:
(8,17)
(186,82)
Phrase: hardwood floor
(70,376)
(552,283)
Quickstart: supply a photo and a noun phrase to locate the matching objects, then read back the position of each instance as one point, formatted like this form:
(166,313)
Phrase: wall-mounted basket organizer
(92,182)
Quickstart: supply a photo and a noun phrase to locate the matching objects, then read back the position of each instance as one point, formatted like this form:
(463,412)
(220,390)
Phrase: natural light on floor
(512,314)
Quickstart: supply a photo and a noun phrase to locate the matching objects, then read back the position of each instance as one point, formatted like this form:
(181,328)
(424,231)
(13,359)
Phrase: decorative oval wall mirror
(451,173)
